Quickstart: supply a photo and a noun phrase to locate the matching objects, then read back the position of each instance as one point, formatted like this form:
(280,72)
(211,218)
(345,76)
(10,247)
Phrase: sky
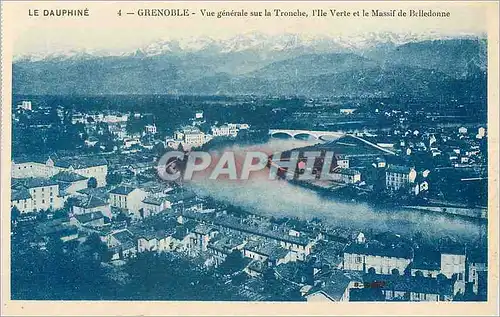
(104,30)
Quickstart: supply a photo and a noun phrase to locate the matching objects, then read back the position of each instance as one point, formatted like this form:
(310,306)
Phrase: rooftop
(101,192)
(35,182)
(399,169)
(68,177)
(123,236)
(417,284)
(346,171)
(88,217)
(141,165)
(236,224)
(257,266)
(226,244)
(180,232)
(90,202)
(334,286)
(42,159)
(152,200)
(376,248)
(80,162)
(203,229)
(427,260)
(19,194)
(122,190)
(127,245)
(274,252)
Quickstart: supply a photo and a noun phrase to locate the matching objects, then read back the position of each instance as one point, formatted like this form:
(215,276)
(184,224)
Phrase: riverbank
(477,213)
(346,192)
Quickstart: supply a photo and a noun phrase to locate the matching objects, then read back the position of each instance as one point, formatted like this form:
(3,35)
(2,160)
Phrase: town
(85,191)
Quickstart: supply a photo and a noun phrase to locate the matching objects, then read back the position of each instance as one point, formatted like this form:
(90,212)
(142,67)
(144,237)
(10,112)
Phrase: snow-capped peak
(254,41)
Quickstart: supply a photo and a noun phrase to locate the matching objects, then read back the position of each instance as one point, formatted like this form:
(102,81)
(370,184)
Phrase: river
(282,199)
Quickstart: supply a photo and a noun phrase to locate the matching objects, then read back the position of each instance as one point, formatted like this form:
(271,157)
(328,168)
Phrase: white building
(335,288)
(476,265)
(242,126)
(270,254)
(450,262)
(89,167)
(95,168)
(129,142)
(383,259)
(346,175)
(150,129)
(397,177)
(379,162)
(118,130)
(226,130)
(222,130)
(22,200)
(342,161)
(189,136)
(25,105)
(119,237)
(78,118)
(92,204)
(453,266)
(128,198)
(347,110)
(70,182)
(115,118)
(35,194)
(481,133)
(148,241)
(153,205)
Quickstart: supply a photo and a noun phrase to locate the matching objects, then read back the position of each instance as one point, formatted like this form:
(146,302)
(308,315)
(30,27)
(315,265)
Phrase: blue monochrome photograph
(263,165)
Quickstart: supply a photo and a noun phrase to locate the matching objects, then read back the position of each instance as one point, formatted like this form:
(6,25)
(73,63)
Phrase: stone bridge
(320,135)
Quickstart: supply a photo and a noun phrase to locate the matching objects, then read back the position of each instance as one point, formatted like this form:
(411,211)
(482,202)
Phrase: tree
(123,217)
(268,275)
(14,214)
(57,274)
(61,213)
(92,182)
(180,148)
(234,262)
(97,249)
(42,215)
(159,149)
(113,178)
(68,204)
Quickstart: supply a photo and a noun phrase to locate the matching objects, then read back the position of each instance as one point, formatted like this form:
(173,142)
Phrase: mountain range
(377,65)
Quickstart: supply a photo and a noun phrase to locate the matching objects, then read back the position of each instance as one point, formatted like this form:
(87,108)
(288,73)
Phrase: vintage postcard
(249,158)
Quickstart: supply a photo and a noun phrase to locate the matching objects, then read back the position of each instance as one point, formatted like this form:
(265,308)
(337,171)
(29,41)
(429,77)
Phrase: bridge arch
(281,135)
(327,138)
(305,136)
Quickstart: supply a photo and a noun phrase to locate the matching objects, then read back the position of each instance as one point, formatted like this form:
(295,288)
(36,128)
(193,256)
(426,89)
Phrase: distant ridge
(254,65)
